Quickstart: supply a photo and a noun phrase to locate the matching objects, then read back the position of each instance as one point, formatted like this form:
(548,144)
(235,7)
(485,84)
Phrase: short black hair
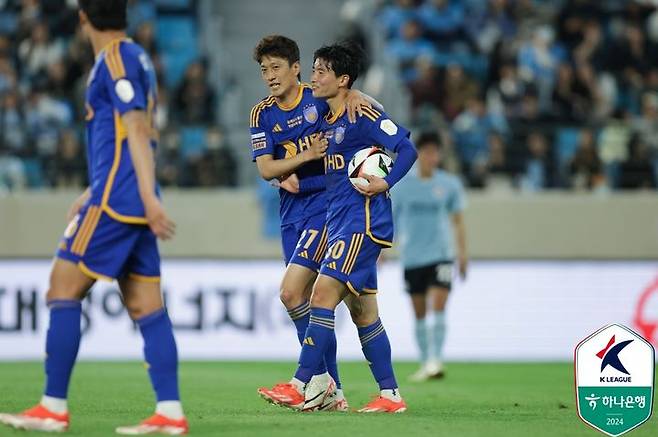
(105,14)
(428,139)
(343,58)
(278,46)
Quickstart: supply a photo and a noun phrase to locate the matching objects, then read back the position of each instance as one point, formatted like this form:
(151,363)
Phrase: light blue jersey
(422,211)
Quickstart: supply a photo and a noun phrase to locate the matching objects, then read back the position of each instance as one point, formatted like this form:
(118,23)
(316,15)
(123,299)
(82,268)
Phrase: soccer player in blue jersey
(285,145)
(359,225)
(113,230)
(428,206)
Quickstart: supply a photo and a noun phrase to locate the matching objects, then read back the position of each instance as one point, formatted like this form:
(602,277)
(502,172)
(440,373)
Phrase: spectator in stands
(457,88)
(217,167)
(12,173)
(472,130)
(409,47)
(145,37)
(69,168)
(195,98)
(443,22)
(38,51)
(571,99)
(168,157)
(393,17)
(13,135)
(637,172)
(585,168)
(504,97)
(646,124)
(489,25)
(425,89)
(538,170)
(538,62)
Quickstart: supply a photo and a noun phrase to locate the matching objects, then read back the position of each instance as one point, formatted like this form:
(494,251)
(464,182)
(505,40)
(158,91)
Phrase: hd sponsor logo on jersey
(311,114)
(258,141)
(614,379)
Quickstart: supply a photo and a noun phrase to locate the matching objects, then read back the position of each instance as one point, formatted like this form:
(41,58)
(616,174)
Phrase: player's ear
(344,81)
(296,68)
(82,16)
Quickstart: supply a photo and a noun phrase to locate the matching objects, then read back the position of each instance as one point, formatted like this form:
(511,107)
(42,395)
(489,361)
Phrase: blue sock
(377,350)
(300,316)
(160,354)
(318,336)
(62,344)
(330,359)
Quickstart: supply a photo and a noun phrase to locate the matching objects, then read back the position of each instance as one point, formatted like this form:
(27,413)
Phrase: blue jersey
(423,209)
(122,80)
(283,132)
(350,211)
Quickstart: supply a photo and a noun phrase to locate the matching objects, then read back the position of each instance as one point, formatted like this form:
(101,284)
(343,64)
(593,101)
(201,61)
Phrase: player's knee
(364,318)
(322,297)
(290,297)
(138,309)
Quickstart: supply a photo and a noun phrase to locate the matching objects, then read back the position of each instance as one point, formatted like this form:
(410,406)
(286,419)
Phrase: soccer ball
(372,161)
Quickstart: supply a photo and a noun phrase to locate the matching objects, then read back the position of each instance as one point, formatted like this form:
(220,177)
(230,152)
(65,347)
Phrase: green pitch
(220,399)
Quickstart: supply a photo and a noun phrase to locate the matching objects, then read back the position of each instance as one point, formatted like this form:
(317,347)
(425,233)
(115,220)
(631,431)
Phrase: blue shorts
(305,242)
(106,249)
(352,259)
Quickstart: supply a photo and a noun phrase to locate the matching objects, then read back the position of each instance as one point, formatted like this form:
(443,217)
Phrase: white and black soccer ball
(371,161)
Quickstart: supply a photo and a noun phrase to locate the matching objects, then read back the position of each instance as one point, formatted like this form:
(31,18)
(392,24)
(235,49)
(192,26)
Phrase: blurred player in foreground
(427,206)
(359,225)
(282,126)
(114,228)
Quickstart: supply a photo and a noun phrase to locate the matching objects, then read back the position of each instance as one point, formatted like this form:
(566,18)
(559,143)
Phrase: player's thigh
(140,297)
(419,304)
(311,246)
(67,281)
(438,297)
(327,292)
(416,282)
(296,285)
(365,309)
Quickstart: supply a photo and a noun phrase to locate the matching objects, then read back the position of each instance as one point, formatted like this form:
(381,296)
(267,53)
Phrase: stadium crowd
(44,63)
(529,94)
(534,94)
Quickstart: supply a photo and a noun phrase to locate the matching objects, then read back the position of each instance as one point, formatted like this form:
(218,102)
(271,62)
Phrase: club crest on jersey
(339,135)
(311,113)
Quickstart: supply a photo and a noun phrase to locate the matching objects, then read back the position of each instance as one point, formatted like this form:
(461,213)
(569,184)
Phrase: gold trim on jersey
(369,232)
(113,59)
(331,118)
(256,110)
(293,105)
(119,135)
(369,290)
(371,113)
(81,242)
(352,253)
(351,288)
(92,274)
(322,246)
(143,278)
(86,229)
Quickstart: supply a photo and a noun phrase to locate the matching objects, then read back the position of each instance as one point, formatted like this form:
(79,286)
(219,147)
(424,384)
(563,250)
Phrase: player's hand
(318,147)
(77,204)
(463,267)
(354,104)
(157,219)
(290,184)
(375,185)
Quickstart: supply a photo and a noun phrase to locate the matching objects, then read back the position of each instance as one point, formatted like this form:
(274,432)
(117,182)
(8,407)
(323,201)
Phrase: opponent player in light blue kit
(427,205)
(284,128)
(113,228)
(359,225)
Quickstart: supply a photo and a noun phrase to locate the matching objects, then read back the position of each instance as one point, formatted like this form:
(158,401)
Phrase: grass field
(220,399)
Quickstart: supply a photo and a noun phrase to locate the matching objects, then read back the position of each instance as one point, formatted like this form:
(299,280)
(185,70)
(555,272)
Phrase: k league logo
(614,379)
